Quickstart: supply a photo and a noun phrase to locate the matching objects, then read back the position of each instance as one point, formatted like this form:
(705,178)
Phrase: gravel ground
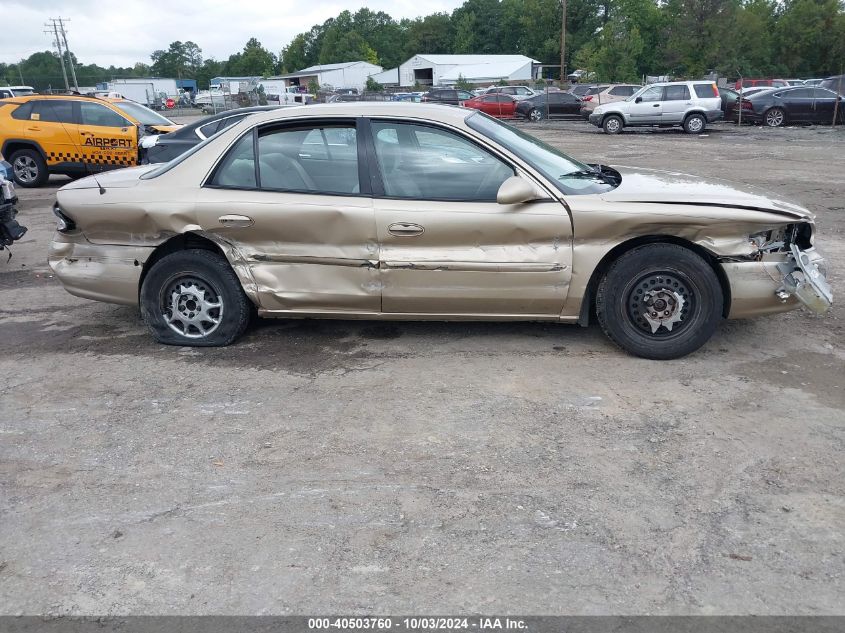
(332,466)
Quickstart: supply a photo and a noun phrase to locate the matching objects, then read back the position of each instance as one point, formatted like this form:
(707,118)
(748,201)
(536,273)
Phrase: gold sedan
(415,211)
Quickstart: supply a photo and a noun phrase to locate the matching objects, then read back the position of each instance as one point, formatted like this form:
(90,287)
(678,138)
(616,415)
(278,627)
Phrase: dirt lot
(320,467)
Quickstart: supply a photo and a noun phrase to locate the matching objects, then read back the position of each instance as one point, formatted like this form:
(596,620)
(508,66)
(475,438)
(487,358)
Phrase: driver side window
(653,94)
(429,163)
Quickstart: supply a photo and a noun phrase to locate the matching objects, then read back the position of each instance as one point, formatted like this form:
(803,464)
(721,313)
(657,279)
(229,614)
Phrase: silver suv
(689,104)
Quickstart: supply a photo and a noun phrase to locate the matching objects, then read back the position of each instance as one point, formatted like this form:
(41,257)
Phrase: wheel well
(698,112)
(177,243)
(13,145)
(589,300)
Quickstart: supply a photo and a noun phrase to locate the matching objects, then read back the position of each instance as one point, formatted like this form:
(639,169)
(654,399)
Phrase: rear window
(705,91)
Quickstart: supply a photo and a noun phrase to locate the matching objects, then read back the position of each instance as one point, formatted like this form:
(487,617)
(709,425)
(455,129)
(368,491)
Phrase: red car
(497,104)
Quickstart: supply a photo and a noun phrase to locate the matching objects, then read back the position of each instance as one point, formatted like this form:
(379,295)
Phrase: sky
(123,32)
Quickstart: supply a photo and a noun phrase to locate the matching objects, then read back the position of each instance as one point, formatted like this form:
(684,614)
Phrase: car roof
(434,111)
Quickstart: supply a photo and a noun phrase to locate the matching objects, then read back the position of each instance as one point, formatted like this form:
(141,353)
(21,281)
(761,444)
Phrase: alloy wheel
(191,307)
(26,169)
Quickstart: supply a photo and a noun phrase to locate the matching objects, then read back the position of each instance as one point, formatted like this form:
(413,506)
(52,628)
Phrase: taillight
(746,105)
(587,98)
(716,89)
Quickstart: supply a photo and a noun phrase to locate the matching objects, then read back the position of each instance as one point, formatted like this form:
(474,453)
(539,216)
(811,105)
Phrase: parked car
(813,82)
(160,148)
(579,75)
(517,92)
(747,92)
(804,104)
(447,95)
(553,105)
(836,84)
(689,104)
(579,90)
(494,104)
(73,134)
(6,92)
(751,83)
(729,99)
(606,94)
(450,215)
(794,82)
(406,96)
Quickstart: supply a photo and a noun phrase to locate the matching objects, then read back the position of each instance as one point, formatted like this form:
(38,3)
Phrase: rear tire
(612,124)
(695,124)
(659,301)
(774,117)
(193,297)
(28,168)
(536,114)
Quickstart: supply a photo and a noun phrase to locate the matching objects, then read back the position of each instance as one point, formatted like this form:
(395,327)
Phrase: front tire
(659,301)
(612,124)
(774,117)
(695,124)
(193,297)
(29,168)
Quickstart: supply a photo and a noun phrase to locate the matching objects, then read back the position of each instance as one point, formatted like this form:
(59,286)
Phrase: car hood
(668,187)
(117,179)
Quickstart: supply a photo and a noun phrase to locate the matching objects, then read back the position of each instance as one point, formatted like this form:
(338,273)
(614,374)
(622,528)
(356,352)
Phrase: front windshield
(569,175)
(142,114)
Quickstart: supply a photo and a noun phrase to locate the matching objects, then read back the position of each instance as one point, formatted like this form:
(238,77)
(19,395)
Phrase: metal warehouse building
(344,75)
(437,70)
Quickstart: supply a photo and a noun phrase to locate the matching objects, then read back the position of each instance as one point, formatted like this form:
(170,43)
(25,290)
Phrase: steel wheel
(775,117)
(612,125)
(535,115)
(191,307)
(659,302)
(694,124)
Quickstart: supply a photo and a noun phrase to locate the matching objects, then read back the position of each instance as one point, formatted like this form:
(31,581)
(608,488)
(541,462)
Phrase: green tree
(254,60)
(373,85)
(180,60)
(809,37)
(463,84)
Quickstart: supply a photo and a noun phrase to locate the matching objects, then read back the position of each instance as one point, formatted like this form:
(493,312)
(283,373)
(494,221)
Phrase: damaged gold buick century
(415,211)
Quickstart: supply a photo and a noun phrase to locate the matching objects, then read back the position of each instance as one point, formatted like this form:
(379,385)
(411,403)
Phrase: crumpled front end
(785,273)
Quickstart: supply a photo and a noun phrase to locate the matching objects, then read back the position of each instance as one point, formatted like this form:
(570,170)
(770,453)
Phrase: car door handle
(405,229)
(236,221)
(656,105)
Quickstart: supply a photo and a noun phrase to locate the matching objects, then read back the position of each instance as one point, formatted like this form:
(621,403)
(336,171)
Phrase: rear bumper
(103,272)
(714,115)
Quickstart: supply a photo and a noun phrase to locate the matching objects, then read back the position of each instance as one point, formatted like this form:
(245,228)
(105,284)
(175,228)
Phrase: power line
(60,34)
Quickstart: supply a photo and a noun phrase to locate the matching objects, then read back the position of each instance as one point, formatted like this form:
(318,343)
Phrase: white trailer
(142,92)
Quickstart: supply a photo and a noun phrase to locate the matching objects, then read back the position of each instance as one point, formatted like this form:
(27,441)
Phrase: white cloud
(122,32)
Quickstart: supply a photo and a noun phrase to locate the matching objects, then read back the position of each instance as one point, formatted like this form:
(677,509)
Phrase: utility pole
(58,43)
(69,57)
(563,41)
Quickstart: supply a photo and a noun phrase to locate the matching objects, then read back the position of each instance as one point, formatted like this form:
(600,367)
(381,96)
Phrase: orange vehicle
(73,134)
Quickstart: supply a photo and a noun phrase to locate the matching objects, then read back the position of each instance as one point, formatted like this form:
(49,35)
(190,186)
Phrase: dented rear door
(299,222)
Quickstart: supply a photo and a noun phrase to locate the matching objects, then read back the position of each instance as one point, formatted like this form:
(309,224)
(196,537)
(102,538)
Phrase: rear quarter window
(705,91)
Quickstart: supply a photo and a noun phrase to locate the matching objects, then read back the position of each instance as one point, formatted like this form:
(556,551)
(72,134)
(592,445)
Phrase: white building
(344,75)
(439,70)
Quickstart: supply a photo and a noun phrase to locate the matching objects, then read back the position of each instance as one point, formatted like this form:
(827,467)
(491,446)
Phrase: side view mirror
(638,100)
(516,190)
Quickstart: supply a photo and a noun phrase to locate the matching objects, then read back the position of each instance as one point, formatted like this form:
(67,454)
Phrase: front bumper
(595,119)
(778,282)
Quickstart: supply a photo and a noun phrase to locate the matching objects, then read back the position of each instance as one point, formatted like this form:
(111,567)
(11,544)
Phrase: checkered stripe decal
(99,159)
